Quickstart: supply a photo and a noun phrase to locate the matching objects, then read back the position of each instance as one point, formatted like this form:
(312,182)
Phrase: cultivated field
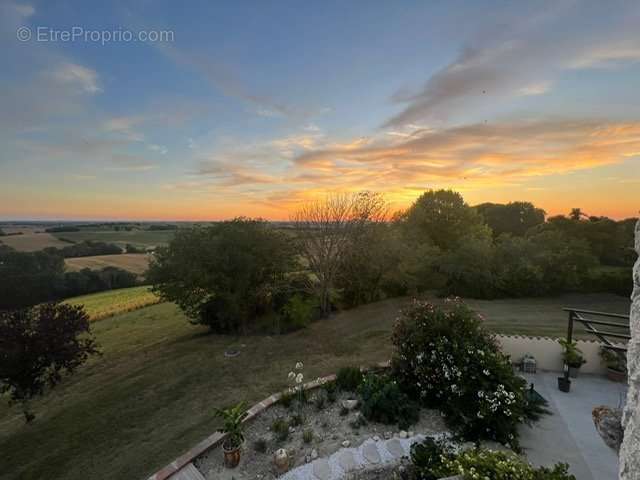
(152,393)
(30,242)
(112,302)
(139,238)
(133,262)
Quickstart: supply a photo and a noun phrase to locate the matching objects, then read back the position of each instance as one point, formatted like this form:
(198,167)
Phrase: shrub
(260,445)
(571,354)
(307,436)
(432,460)
(332,389)
(297,313)
(232,426)
(445,359)
(320,400)
(349,379)
(281,429)
(382,401)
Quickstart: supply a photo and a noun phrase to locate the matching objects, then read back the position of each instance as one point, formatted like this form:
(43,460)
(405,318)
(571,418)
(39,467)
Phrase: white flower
(299,366)
(299,378)
(291,376)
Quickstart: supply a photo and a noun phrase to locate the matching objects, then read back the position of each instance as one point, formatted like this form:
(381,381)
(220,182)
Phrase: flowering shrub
(444,358)
(432,460)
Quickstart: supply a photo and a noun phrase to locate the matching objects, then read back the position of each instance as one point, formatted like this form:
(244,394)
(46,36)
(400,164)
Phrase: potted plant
(572,356)
(232,426)
(616,365)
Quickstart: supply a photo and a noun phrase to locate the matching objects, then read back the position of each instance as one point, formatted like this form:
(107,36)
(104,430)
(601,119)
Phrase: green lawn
(151,395)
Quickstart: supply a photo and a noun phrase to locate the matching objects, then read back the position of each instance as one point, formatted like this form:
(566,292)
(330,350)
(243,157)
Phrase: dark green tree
(515,218)
(223,275)
(38,345)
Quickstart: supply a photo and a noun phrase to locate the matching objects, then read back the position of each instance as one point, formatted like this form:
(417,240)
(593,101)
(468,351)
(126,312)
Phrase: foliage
(332,391)
(225,275)
(384,402)
(260,445)
(571,354)
(307,436)
(514,218)
(88,248)
(280,428)
(444,358)
(444,219)
(612,360)
(468,269)
(349,379)
(29,278)
(232,425)
(297,313)
(320,399)
(38,345)
(432,461)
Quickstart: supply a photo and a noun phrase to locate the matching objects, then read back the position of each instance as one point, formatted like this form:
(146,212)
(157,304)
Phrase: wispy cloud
(522,59)
(77,75)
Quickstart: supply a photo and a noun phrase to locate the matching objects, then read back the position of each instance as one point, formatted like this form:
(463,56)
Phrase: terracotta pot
(614,375)
(231,456)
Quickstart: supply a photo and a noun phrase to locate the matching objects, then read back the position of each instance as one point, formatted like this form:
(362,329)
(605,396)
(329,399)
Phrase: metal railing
(583,317)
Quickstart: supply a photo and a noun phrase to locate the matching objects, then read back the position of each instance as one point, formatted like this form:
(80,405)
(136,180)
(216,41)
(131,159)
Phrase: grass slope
(112,302)
(152,393)
(133,262)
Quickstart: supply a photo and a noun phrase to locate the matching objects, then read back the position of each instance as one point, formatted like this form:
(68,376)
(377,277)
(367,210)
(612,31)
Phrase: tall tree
(327,228)
(443,217)
(38,345)
(224,275)
(514,218)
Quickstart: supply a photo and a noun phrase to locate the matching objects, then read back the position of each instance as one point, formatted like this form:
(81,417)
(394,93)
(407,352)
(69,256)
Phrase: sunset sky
(252,107)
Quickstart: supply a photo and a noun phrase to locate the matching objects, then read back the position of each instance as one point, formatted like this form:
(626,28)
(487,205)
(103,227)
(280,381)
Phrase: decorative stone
(346,444)
(349,404)
(370,453)
(395,448)
(321,469)
(630,449)
(292,430)
(608,422)
(376,438)
(281,460)
(347,461)
(403,434)
(388,435)
(411,433)
(314,454)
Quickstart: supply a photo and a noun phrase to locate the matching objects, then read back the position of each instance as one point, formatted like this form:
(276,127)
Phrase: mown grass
(133,262)
(112,302)
(152,393)
(31,242)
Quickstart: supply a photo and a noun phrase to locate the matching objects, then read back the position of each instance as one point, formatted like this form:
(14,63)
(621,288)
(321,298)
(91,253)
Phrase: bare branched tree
(327,227)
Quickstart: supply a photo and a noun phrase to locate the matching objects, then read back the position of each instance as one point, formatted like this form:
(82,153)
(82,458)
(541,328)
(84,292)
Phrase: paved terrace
(568,435)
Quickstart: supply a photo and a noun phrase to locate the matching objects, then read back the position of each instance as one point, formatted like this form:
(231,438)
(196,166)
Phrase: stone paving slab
(371,454)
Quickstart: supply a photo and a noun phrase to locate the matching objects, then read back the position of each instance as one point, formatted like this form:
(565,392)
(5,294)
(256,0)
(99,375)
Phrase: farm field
(112,302)
(31,242)
(139,238)
(152,393)
(134,262)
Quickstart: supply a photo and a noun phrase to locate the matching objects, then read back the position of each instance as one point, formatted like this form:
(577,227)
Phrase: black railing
(584,318)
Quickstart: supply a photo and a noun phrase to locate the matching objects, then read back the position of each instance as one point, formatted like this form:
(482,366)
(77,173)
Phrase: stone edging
(216,438)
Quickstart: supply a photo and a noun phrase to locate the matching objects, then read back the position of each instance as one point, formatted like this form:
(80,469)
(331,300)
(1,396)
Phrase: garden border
(216,438)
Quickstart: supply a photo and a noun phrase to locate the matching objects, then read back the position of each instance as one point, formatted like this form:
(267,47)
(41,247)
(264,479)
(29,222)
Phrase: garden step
(188,472)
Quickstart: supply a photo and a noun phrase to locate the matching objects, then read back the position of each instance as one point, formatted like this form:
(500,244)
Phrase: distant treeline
(29,278)
(88,248)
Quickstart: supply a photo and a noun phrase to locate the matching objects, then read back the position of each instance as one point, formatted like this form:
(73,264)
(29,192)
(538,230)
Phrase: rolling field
(112,302)
(133,262)
(139,238)
(30,242)
(151,394)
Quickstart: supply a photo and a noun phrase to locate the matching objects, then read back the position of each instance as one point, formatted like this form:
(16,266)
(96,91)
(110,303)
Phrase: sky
(161,110)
